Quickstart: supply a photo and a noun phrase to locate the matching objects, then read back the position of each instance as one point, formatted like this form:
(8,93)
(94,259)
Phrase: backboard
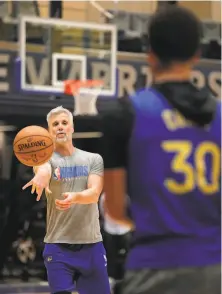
(54,50)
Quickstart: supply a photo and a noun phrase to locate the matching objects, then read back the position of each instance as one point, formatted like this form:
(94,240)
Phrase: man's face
(61,128)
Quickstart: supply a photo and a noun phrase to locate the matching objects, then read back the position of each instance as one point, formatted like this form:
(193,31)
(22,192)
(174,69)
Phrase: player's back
(174,184)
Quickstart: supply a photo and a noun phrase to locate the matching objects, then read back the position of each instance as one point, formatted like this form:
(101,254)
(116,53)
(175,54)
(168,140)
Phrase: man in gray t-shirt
(74,255)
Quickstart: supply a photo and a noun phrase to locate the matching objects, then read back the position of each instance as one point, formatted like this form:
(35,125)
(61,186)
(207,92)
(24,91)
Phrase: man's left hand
(69,199)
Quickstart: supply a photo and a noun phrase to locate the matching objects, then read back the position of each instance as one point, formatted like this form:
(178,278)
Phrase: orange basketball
(33,146)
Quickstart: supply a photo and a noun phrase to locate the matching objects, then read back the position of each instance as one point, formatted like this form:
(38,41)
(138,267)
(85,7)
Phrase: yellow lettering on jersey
(195,175)
(174,120)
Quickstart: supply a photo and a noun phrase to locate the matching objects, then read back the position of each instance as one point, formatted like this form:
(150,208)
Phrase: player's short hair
(59,110)
(174,35)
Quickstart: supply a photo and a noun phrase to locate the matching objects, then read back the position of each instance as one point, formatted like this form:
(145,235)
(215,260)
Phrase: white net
(85,98)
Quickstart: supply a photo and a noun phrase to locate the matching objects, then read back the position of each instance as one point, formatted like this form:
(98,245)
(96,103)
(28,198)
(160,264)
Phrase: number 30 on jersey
(195,176)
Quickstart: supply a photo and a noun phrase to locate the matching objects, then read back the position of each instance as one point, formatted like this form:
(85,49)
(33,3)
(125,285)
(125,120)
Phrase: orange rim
(72,86)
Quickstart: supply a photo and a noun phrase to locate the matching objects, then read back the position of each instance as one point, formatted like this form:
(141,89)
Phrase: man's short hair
(58,110)
(174,34)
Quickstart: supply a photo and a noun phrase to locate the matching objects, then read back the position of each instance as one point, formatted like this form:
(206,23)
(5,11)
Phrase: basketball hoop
(85,94)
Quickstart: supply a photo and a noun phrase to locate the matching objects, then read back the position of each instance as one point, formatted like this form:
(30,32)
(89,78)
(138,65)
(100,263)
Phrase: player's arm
(94,184)
(93,191)
(41,179)
(90,195)
(118,125)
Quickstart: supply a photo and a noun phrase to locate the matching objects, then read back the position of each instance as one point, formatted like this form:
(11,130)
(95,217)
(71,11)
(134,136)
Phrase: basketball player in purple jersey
(167,138)
(74,255)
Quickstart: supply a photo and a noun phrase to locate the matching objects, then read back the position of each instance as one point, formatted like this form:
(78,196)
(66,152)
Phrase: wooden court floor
(25,288)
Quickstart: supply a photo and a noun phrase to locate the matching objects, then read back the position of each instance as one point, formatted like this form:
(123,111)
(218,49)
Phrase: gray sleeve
(97,166)
(101,204)
(52,163)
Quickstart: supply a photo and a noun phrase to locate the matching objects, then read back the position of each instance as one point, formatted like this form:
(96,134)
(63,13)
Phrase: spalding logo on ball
(33,146)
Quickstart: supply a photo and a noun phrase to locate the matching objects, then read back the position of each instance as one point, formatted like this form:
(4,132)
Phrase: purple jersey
(173,167)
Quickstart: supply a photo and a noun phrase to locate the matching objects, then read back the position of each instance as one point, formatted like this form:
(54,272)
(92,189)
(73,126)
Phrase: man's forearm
(43,170)
(87,196)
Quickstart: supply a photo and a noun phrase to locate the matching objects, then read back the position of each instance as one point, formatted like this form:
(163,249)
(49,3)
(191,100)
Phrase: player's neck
(175,74)
(65,149)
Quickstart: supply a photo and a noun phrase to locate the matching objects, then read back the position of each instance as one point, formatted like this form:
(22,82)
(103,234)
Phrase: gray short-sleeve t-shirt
(80,223)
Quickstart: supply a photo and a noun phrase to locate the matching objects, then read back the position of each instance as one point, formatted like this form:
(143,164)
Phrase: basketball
(33,146)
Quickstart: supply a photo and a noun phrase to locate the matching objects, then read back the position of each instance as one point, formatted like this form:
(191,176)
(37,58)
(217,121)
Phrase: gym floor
(25,288)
